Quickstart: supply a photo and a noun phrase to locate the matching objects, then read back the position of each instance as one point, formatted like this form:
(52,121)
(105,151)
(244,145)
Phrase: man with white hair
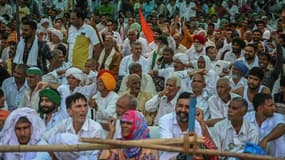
(164,102)
(22,127)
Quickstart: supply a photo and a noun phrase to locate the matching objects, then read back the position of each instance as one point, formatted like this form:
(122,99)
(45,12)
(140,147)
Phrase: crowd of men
(74,65)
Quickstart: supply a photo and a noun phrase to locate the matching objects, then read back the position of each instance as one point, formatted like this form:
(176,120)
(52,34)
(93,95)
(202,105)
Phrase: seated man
(173,125)
(164,102)
(218,104)
(134,89)
(103,103)
(23,126)
(78,124)
(48,107)
(271,125)
(231,134)
(147,83)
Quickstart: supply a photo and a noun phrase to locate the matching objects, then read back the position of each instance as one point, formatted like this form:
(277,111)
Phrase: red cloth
(146,28)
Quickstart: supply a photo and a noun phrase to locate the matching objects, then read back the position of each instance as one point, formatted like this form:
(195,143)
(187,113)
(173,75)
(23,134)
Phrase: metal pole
(191,119)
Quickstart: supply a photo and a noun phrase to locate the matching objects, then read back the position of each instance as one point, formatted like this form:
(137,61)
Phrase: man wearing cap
(237,45)
(31,96)
(56,38)
(238,73)
(104,101)
(69,130)
(48,107)
(198,47)
(22,127)
(30,50)
(75,78)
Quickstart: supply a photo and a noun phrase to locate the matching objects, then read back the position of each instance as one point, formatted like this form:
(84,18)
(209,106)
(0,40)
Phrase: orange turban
(108,79)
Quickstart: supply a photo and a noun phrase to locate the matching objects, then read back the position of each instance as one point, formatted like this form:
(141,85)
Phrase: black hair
(79,13)
(73,98)
(62,48)
(259,99)
(256,71)
(209,47)
(31,23)
(184,95)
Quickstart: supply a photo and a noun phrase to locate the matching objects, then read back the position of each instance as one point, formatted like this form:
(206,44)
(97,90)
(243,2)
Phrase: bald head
(125,103)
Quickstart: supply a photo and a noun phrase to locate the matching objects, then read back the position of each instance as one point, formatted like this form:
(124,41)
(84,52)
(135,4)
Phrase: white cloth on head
(8,135)
(56,32)
(75,72)
(33,54)
(182,57)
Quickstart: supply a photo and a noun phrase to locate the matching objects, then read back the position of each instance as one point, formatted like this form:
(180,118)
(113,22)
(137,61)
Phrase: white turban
(182,57)
(56,32)
(44,20)
(67,139)
(8,135)
(75,72)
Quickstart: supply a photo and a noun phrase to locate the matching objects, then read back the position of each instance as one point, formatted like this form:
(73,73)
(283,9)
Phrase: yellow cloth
(80,51)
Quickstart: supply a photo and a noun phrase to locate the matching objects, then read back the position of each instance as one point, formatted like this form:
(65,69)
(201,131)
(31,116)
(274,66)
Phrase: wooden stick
(161,141)
(181,149)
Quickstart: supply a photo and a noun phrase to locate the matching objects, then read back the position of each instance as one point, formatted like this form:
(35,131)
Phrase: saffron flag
(146,28)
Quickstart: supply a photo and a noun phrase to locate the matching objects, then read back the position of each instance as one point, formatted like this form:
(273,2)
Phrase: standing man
(30,50)
(82,39)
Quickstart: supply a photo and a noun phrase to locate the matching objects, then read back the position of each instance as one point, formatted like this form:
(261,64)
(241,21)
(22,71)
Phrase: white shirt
(90,129)
(127,60)
(126,47)
(12,95)
(88,31)
(241,82)
(106,106)
(202,103)
(227,139)
(218,108)
(193,55)
(65,91)
(275,147)
(231,57)
(169,128)
(160,105)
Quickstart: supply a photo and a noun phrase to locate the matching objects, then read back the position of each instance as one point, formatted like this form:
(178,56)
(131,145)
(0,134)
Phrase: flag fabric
(146,28)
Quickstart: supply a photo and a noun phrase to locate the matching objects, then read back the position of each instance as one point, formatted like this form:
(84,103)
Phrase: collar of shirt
(83,128)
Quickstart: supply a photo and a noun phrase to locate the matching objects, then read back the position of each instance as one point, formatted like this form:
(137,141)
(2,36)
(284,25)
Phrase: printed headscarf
(139,131)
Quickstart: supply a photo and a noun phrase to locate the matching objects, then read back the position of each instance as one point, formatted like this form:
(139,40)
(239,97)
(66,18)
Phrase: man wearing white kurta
(175,124)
